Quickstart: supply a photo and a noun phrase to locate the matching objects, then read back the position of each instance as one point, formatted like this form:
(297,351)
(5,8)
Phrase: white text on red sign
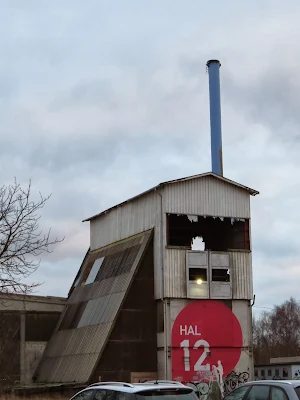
(189,330)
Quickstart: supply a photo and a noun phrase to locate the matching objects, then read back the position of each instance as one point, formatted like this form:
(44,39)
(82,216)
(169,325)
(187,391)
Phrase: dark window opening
(118,263)
(198,275)
(220,275)
(262,372)
(72,316)
(217,234)
(255,373)
(285,373)
(269,372)
(277,372)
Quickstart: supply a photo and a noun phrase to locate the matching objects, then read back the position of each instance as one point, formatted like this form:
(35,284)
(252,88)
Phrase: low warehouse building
(26,324)
(279,368)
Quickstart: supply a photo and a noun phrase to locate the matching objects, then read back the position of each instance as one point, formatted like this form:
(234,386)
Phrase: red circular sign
(206,340)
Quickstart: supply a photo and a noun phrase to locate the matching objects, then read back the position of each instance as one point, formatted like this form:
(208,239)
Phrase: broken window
(217,234)
(220,275)
(94,271)
(197,275)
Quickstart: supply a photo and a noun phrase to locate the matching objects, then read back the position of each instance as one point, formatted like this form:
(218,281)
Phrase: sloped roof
(80,337)
(252,192)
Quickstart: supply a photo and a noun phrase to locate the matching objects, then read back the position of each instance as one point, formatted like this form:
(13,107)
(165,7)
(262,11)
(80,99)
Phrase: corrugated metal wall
(242,280)
(130,219)
(207,196)
(74,349)
(175,274)
(202,196)
(127,220)
(131,347)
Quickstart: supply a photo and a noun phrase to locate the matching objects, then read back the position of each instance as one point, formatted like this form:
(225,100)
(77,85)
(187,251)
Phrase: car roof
(275,382)
(138,387)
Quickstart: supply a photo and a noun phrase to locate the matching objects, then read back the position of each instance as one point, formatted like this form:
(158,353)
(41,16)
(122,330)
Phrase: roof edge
(252,192)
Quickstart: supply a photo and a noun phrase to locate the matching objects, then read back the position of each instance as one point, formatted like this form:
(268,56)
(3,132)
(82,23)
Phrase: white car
(152,390)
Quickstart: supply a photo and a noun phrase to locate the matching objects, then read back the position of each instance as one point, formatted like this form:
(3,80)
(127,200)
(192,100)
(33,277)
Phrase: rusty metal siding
(241,267)
(175,273)
(72,352)
(207,196)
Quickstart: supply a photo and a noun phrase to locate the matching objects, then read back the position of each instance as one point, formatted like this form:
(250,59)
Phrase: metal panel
(207,196)
(197,258)
(240,267)
(219,259)
(175,273)
(71,354)
(132,218)
(242,285)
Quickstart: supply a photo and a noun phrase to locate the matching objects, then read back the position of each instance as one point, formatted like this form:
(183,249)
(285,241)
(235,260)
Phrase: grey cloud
(115,100)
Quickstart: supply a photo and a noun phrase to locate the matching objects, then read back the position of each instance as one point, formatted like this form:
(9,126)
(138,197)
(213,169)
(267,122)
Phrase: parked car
(266,390)
(154,390)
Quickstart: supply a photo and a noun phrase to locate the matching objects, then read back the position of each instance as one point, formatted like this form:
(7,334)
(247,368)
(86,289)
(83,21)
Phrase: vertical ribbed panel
(127,220)
(175,273)
(207,196)
(241,267)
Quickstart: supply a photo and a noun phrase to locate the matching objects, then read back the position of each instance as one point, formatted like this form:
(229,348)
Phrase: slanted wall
(132,347)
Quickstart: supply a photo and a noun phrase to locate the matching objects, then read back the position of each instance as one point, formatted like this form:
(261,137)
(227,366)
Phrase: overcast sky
(101,100)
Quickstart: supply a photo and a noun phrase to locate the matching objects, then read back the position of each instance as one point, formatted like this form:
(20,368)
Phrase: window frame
(238,388)
(257,385)
(79,394)
(280,388)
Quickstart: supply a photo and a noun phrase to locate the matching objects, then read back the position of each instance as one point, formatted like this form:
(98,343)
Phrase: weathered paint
(242,279)
(131,218)
(74,349)
(206,336)
(242,311)
(33,354)
(207,196)
(175,273)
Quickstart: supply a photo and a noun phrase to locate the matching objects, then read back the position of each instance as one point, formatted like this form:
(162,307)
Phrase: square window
(198,275)
(220,275)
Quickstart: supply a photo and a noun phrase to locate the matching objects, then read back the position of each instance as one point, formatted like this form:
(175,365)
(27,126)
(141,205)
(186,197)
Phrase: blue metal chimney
(213,67)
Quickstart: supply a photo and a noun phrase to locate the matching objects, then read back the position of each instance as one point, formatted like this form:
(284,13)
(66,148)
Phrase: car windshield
(167,394)
(297,390)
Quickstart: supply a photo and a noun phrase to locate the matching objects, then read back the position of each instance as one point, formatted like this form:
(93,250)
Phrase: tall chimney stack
(213,67)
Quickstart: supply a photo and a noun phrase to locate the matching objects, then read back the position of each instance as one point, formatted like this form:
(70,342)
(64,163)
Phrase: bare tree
(277,333)
(21,240)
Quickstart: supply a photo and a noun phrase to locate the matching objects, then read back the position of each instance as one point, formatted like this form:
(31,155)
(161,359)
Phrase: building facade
(286,368)
(164,291)
(27,323)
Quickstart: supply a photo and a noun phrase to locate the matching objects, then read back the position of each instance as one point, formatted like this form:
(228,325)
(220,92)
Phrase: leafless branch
(22,242)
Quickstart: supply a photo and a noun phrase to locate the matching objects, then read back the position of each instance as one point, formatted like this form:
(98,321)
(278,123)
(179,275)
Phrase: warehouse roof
(252,192)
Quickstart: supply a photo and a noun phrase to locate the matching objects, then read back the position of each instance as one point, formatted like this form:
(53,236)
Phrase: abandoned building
(283,368)
(165,288)
(27,323)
